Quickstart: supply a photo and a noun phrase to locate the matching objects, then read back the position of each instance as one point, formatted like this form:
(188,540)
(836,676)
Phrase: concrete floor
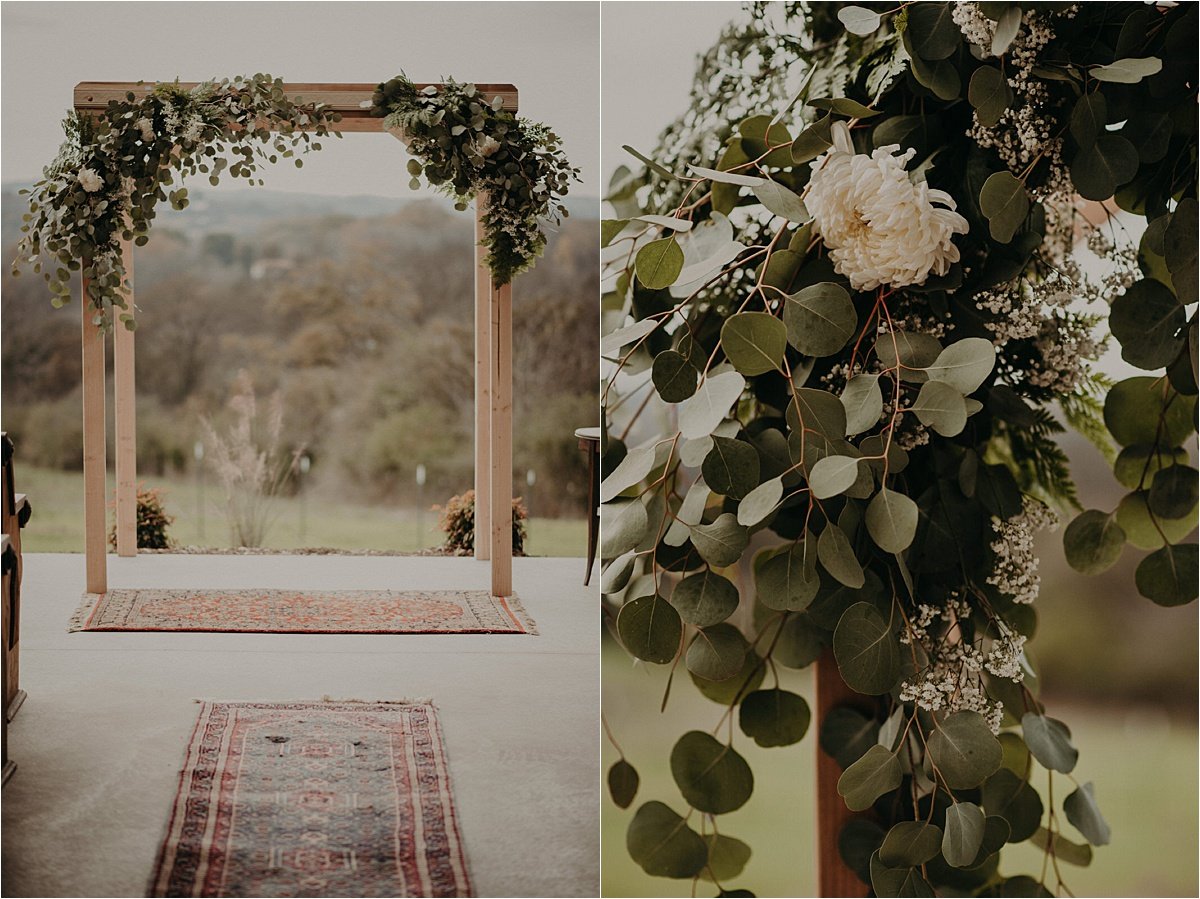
(100,740)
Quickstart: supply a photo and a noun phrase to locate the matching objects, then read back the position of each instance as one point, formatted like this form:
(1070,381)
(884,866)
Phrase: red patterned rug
(313,799)
(304,612)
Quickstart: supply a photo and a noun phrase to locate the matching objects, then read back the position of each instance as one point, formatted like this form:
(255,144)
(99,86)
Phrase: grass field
(1143,763)
(57,523)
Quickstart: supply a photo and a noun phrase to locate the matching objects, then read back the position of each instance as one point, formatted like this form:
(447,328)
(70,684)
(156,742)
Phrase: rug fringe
(518,609)
(406,700)
(86,607)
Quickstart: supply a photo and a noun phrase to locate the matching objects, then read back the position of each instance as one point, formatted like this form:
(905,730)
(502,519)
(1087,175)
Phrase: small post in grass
(420,506)
(198,455)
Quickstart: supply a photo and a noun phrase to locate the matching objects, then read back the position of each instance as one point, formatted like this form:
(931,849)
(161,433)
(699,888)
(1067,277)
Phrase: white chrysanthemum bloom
(90,180)
(488,145)
(146,127)
(879,227)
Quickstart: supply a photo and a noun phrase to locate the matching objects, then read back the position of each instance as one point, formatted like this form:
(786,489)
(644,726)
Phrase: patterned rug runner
(304,612)
(313,799)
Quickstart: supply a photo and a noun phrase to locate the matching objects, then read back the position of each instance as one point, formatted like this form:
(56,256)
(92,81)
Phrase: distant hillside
(242,212)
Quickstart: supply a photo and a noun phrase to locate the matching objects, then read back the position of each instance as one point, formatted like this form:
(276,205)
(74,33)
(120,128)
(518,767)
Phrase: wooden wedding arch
(493,367)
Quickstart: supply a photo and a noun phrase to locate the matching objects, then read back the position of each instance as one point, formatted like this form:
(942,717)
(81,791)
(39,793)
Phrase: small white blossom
(90,180)
(879,227)
(1015,572)
(488,145)
(146,127)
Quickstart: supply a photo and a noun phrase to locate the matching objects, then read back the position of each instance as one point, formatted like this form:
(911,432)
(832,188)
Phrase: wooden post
(483,391)
(833,876)
(93,449)
(502,441)
(125,413)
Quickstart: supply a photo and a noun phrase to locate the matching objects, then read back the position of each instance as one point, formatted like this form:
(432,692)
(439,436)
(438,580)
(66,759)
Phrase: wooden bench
(15,512)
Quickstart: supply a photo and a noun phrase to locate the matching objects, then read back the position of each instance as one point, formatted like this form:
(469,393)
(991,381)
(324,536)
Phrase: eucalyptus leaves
(114,168)
(465,144)
(847,448)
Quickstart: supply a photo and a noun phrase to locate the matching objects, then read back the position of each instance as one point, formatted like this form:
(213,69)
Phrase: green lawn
(1144,765)
(57,523)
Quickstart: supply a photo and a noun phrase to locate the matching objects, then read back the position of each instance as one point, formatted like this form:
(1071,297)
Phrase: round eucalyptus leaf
(722,542)
(663,844)
(705,599)
(837,555)
(1180,249)
(1127,71)
(846,734)
(910,843)
(932,30)
(964,749)
(1097,171)
(650,629)
(867,650)
(1089,118)
(623,783)
(894,882)
(1013,799)
(781,201)
(727,857)
(876,773)
(832,476)
(659,263)
(858,840)
(711,776)
(788,581)
(1173,492)
(1144,529)
(913,351)
(724,692)
(760,502)
(754,342)
(858,20)
(817,411)
(1008,26)
(964,834)
(799,643)
(892,520)
(1148,321)
(1135,407)
(1005,203)
(941,407)
(774,717)
(674,376)
(820,319)
(1064,850)
(700,414)
(731,467)
(1137,465)
(726,177)
(1093,542)
(1016,753)
(989,93)
(864,403)
(1169,575)
(717,653)
(1050,742)
(1083,812)
(623,523)
(1021,886)
(631,470)
(617,573)
(964,364)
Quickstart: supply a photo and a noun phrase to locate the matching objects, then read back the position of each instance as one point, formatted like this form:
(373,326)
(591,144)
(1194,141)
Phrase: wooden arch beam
(493,361)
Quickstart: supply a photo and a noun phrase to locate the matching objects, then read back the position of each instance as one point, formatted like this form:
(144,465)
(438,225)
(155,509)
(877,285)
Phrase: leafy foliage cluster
(466,146)
(115,167)
(458,521)
(859,471)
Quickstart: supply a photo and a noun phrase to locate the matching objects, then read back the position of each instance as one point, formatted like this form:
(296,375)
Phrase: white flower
(146,127)
(90,180)
(488,145)
(879,227)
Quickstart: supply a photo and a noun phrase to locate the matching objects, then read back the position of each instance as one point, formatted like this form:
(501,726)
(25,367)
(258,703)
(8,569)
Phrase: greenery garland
(469,146)
(849,281)
(115,167)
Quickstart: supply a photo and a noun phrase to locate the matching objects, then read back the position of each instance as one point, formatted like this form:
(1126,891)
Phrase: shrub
(458,521)
(152,520)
